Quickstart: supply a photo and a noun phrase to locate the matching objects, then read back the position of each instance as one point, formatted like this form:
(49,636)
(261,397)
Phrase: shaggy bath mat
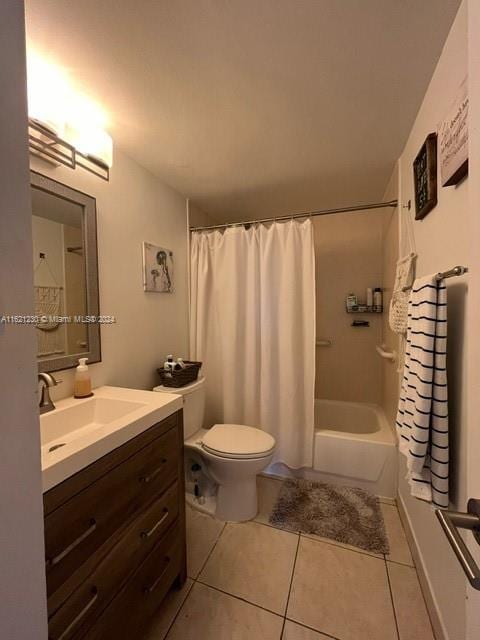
(346,514)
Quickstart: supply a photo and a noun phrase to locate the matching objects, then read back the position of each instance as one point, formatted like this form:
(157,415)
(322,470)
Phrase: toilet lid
(238,441)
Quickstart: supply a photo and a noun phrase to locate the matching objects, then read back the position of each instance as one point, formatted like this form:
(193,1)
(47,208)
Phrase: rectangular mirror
(64,229)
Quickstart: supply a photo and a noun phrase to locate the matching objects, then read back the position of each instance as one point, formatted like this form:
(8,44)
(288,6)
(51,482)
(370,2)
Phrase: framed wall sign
(453,140)
(425,177)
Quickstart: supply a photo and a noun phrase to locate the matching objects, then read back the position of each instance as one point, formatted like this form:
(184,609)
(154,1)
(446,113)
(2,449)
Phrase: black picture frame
(425,177)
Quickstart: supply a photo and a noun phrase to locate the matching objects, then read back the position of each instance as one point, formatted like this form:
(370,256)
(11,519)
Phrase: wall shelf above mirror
(66,298)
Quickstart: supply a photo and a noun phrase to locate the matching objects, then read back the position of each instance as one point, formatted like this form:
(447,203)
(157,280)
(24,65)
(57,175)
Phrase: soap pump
(83,383)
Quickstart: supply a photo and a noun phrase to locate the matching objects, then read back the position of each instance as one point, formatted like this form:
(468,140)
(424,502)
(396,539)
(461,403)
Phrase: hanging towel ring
(43,260)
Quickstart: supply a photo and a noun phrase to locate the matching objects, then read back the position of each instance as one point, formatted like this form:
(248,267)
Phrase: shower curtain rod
(306,214)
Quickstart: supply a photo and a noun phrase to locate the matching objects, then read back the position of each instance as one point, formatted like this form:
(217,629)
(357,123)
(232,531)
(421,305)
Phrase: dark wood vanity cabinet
(115,538)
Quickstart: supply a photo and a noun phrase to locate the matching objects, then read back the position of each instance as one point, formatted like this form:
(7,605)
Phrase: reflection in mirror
(65,274)
(59,276)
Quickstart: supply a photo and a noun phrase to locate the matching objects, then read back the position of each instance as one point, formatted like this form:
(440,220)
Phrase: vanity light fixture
(48,89)
(91,143)
(65,127)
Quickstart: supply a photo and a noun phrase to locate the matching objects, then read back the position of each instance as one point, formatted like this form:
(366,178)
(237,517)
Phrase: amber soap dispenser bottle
(83,384)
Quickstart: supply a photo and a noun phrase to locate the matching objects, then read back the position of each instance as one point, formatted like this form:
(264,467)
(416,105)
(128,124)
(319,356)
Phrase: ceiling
(253,107)
(55,208)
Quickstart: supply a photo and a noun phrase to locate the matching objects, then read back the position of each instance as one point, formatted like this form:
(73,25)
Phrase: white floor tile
(410,609)
(254,562)
(312,536)
(211,615)
(341,593)
(202,533)
(294,631)
(167,612)
(399,549)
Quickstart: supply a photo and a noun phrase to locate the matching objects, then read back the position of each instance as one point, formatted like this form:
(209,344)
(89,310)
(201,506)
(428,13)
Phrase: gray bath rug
(345,514)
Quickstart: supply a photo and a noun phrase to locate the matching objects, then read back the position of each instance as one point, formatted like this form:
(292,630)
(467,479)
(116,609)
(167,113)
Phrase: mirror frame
(89,232)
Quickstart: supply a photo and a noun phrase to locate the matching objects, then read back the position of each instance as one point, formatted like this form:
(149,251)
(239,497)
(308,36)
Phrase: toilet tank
(193,404)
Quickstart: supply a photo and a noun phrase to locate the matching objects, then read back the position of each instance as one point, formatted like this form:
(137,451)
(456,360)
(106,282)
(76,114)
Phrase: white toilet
(231,455)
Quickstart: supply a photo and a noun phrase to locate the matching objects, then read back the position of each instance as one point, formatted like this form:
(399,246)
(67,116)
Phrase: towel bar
(459,270)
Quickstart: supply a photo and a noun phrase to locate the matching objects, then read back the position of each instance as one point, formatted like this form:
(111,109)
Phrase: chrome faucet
(47,381)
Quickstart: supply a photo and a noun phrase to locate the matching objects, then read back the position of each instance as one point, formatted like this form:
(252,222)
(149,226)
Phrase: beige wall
(348,256)
(390,375)
(48,239)
(22,574)
(442,241)
(473,353)
(134,206)
(198,218)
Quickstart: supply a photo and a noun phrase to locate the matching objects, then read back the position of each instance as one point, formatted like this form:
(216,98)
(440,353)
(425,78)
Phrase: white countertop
(97,437)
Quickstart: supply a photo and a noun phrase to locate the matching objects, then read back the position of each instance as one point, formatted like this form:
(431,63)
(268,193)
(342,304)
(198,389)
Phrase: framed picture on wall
(157,269)
(425,177)
(453,140)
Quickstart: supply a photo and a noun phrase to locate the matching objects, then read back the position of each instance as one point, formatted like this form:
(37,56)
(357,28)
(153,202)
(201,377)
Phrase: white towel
(422,419)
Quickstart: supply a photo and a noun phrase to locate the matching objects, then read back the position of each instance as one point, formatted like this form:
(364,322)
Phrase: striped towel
(422,419)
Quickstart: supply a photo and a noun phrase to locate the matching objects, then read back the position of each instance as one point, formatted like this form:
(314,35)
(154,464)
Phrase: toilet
(229,456)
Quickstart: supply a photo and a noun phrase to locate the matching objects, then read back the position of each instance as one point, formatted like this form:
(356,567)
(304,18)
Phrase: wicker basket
(180,377)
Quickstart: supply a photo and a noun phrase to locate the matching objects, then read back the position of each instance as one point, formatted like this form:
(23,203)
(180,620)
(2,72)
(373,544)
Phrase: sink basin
(61,426)
(78,432)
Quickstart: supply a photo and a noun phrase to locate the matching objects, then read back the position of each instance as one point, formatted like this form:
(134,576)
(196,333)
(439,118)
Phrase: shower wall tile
(348,259)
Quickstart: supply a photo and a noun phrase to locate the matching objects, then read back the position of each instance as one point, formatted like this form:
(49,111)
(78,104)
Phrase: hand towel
(422,418)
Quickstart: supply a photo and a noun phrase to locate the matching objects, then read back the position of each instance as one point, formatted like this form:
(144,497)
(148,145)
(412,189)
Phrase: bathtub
(354,445)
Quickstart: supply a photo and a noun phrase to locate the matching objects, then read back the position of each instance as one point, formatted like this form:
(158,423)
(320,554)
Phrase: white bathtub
(354,445)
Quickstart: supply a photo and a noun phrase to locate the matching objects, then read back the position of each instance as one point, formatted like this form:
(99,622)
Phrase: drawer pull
(81,615)
(51,562)
(147,534)
(152,588)
(154,474)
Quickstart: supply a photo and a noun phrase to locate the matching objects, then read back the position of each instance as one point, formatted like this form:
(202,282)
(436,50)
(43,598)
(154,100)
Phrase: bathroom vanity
(115,528)
(112,464)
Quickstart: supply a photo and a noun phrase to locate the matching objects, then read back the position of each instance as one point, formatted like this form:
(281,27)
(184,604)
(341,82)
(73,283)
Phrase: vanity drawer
(64,491)
(92,596)
(80,526)
(131,610)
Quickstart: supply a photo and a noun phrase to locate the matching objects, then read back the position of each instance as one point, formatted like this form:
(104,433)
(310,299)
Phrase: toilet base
(208,505)
(230,482)
(237,502)
(233,503)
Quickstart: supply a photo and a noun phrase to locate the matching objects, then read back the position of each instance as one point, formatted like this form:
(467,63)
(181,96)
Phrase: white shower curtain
(253,327)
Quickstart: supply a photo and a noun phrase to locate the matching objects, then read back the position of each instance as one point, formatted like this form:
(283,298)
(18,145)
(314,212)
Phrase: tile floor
(251,581)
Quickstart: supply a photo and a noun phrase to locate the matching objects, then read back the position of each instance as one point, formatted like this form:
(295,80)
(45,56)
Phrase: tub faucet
(46,380)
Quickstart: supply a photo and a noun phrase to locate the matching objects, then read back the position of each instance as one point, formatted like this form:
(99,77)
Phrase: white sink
(78,432)
(61,426)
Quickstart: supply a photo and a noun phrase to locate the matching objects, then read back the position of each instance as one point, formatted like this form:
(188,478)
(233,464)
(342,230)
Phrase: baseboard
(435,617)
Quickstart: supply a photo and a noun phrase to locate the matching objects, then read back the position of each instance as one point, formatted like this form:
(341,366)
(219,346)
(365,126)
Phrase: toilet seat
(237,441)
